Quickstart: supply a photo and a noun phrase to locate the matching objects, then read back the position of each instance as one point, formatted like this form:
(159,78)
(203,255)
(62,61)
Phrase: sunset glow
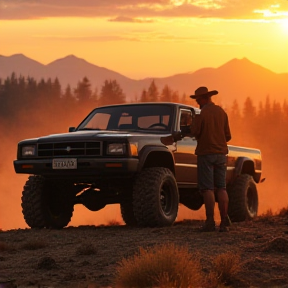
(148,38)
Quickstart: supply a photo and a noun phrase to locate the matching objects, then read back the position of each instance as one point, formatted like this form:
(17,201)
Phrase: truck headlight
(116,149)
(28,150)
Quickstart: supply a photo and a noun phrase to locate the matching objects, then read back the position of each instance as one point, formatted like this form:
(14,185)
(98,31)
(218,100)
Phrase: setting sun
(284,24)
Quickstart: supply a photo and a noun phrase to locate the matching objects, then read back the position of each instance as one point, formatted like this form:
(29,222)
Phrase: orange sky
(148,38)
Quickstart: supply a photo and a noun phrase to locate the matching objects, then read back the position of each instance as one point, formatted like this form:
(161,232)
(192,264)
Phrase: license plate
(70,163)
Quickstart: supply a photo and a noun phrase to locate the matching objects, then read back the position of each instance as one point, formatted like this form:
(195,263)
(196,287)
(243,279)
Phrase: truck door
(185,158)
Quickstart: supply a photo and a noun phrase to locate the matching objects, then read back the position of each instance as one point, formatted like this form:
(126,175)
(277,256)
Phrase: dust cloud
(272,193)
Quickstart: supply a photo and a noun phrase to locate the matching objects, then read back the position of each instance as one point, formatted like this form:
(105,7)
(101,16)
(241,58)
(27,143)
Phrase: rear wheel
(46,203)
(155,197)
(243,199)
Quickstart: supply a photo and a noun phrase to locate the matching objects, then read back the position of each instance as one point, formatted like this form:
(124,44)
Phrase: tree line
(43,104)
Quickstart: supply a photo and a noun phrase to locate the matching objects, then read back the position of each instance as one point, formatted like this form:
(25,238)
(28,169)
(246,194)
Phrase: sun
(284,24)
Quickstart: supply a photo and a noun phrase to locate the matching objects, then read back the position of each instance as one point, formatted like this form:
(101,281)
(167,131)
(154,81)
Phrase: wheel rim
(165,198)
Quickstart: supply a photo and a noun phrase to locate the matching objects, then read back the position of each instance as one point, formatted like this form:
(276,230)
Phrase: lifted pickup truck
(137,155)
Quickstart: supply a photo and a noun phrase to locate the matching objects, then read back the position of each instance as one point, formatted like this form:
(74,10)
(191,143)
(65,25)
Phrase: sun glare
(284,24)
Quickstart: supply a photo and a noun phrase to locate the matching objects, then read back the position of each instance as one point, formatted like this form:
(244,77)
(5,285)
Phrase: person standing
(212,132)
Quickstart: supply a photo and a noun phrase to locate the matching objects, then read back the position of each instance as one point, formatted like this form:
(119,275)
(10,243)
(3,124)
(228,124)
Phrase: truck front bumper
(86,167)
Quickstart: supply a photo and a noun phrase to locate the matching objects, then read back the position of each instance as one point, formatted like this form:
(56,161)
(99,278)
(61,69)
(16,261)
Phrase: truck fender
(245,165)
(156,156)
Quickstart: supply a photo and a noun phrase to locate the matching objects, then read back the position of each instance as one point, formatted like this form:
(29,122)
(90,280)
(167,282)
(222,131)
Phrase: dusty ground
(79,256)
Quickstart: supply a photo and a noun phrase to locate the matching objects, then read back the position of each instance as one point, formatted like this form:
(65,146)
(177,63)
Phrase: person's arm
(196,126)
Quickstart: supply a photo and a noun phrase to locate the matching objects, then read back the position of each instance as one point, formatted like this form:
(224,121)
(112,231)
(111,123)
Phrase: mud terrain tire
(127,213)
(155,197)
(243,199)
(46,204)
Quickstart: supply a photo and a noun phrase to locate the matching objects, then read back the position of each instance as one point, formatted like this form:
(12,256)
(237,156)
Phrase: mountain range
(235,80)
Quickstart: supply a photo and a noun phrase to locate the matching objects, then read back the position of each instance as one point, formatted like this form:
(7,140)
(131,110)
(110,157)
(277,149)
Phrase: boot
(223,202)
(209,202)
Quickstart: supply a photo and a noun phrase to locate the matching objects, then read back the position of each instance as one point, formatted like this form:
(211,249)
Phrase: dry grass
(226,266)
(86,249)
(283,212)
(169,266)
(161,266)
(269,213)
(34,245)
(113,223)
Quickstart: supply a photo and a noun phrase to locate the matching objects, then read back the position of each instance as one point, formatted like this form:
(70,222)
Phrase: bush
(161,266)
(225,268)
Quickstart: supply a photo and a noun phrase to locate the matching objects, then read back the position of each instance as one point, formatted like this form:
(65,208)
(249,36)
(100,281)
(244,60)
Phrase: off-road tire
(155,197)
(243,199)
(46,203)
(127,213)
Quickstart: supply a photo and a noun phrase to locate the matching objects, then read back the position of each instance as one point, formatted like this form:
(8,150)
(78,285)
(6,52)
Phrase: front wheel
(243,199)
(127,213)
(155,197)
(46,203)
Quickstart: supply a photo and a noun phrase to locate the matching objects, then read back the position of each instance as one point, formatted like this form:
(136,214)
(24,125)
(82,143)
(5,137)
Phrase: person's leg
(206,186)
(209,202)
(223,202)
(221,192)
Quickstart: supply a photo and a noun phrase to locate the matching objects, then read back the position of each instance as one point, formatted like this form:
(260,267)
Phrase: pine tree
(166,94)
(152,93)
(83,91)
(111,93)
(144,96)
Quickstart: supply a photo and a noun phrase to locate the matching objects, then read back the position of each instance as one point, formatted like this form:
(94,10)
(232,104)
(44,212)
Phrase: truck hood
(90,135)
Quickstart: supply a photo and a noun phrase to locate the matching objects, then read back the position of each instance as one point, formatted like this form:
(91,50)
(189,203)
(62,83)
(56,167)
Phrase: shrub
(160,266)
(225,267)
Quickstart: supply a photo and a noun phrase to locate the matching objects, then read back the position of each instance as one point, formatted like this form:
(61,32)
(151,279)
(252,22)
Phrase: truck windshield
(130,117)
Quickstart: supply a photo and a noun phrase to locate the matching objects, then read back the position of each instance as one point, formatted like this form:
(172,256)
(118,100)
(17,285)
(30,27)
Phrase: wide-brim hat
(203,92)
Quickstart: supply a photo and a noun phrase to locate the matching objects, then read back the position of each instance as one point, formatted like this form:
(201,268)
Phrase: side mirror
(72,129)
(174,137)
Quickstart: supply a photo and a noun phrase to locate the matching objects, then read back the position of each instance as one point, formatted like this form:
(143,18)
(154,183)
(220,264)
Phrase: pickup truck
(138,155)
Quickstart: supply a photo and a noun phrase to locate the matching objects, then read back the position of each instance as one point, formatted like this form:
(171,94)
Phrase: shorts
(211,171)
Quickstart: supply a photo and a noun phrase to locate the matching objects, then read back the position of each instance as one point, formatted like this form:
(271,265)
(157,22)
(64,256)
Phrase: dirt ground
(87,256)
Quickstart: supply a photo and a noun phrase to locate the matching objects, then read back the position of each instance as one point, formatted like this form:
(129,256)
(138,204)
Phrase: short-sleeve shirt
(211,130)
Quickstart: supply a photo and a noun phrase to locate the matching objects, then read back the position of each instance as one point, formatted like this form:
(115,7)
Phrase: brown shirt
(211,130)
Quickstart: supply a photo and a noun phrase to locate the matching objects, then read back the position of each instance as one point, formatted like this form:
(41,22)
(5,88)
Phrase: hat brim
(208,94)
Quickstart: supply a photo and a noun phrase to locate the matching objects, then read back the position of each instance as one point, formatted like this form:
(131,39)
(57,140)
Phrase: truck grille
(70,149)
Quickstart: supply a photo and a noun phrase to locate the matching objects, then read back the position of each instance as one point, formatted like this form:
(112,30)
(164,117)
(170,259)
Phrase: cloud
(130,20)
(137,11)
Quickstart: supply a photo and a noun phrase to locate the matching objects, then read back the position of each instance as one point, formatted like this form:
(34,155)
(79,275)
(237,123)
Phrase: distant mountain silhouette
(235,80)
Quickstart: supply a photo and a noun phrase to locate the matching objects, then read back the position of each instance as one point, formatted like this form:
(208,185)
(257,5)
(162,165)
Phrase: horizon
(148,37)
(145,77)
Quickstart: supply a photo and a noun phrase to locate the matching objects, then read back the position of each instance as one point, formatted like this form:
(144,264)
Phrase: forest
(30,108)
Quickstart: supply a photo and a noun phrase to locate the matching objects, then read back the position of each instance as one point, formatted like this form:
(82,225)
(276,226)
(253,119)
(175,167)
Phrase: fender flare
(246,165)
(147,150)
